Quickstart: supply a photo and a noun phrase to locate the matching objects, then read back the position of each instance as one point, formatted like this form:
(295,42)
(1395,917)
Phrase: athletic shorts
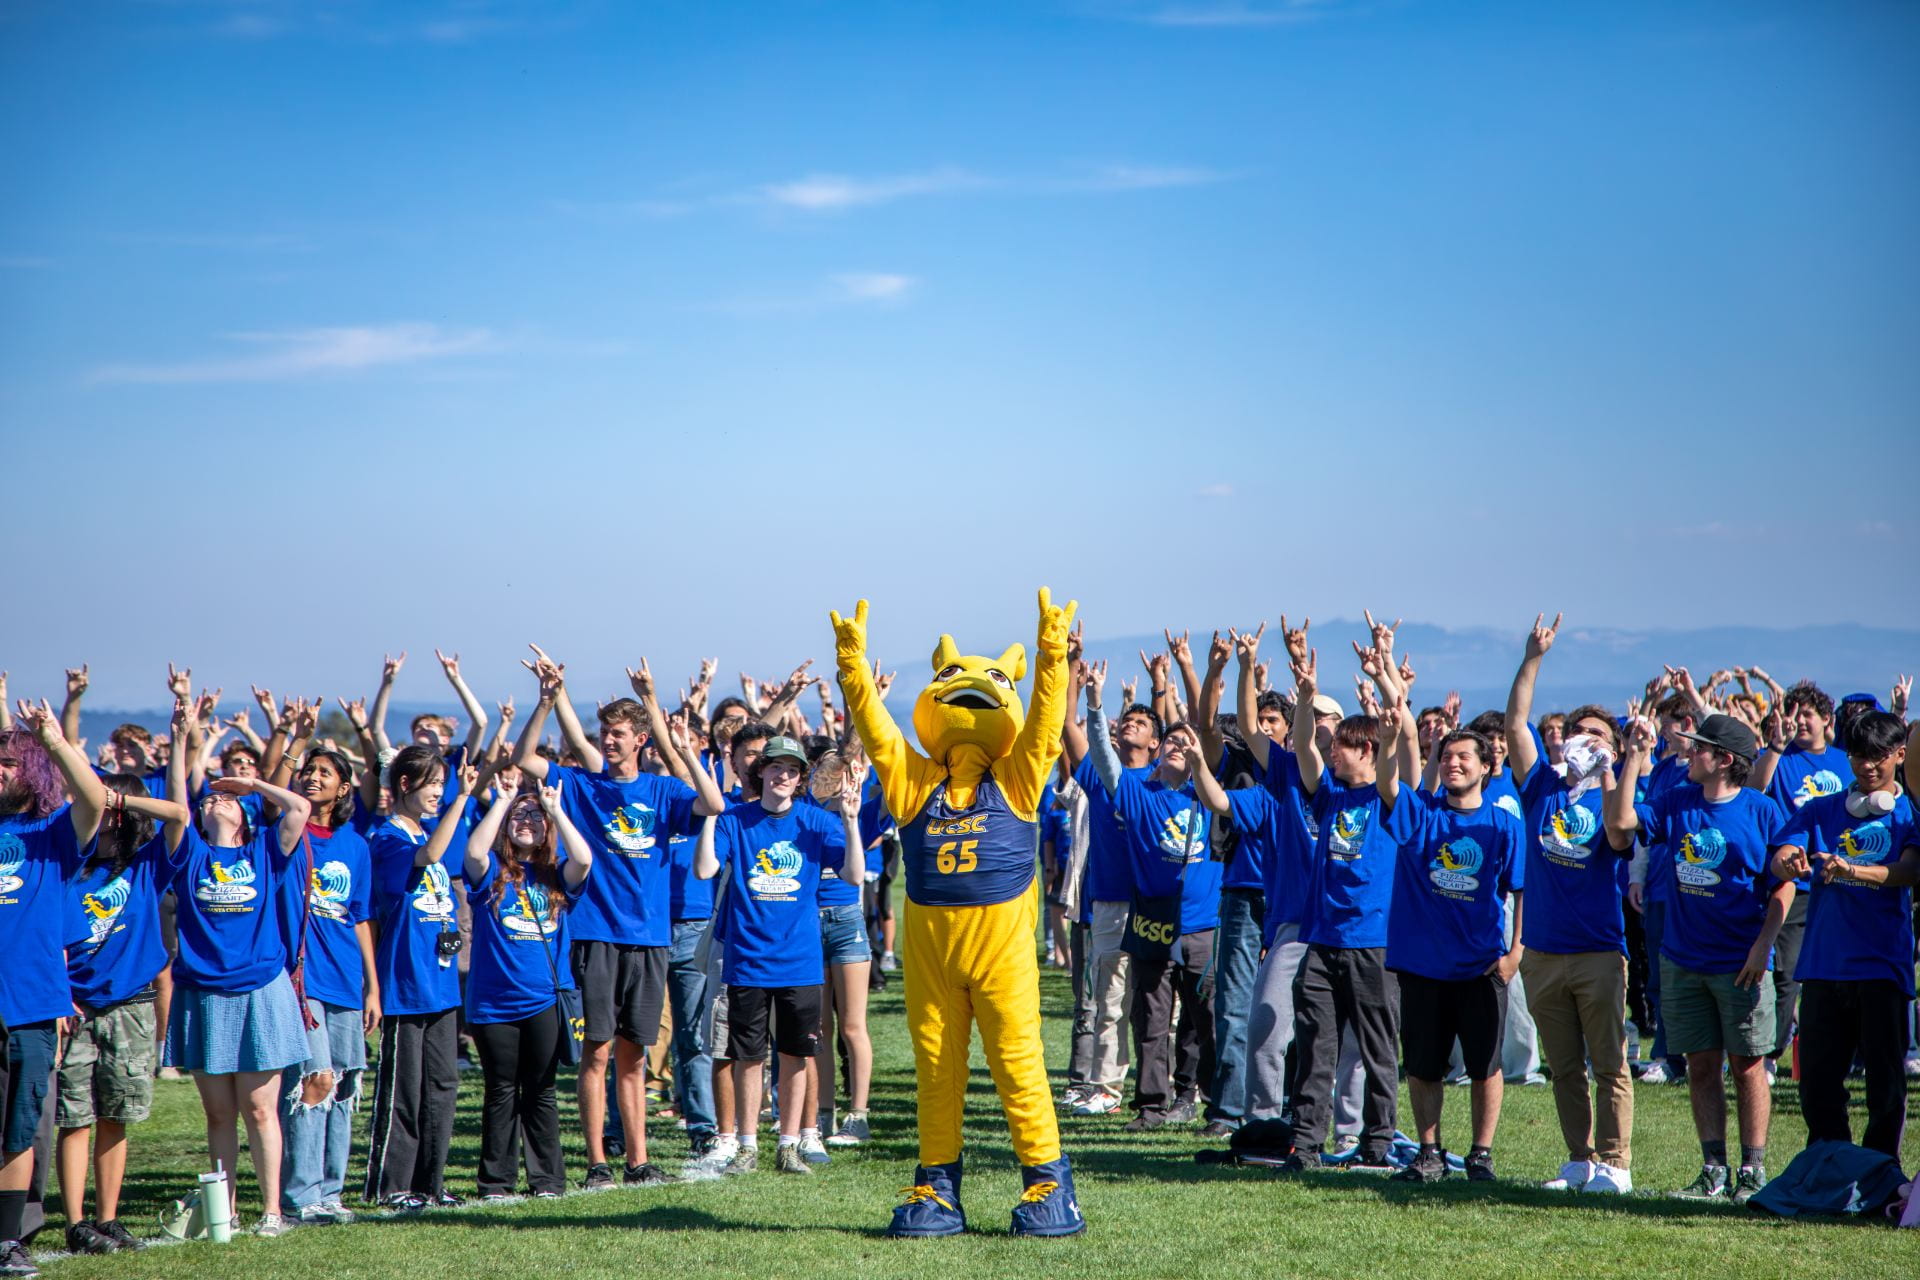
(623,990)
(1433,1013)
(106,1070)
(843,934)
(1704,1012)
(794,1011)
(29,1075)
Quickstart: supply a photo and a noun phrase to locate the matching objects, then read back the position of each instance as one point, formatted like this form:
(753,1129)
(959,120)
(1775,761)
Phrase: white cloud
(874,286)
(825,192)
(305,353)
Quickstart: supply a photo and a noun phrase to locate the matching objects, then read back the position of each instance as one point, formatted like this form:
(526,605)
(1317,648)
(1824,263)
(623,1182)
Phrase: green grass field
(1153,1212)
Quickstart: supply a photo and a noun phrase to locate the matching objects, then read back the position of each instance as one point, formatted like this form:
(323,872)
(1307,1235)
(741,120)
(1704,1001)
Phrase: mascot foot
(1048,1206)
(932,1206)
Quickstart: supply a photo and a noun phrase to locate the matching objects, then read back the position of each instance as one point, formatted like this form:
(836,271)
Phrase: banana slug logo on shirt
(1183,836)
(1453,867)
(227,886)
(103,907)
(1349,831)
(630,828)
(328,891)
(1867,845)
(433,896)
(528,912)
(12,855)
(1568,831)
(775,871)
(1821,782)
(1697,856)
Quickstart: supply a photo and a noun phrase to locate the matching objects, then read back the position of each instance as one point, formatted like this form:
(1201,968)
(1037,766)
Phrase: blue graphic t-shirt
(688,896)
(1667,773)
(628,898)
(1350,875)
(117,917)
(1575,880)
(834,892)
(1455,869)
(339,897)
(1169,846)
(36,857)
(1803,775)
(413,906)
(520,946)
(1718,881)
(772,903)
(1109,870)
(231,939)
(1856,932)
(1259,815)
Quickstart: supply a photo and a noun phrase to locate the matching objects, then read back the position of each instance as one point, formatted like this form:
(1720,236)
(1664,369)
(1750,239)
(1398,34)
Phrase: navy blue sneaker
(932,1206)
(1048,1207)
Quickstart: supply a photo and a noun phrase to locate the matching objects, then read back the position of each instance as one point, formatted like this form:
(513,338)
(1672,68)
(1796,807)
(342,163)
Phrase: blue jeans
(1236,959)
(688,998)
(316,1137)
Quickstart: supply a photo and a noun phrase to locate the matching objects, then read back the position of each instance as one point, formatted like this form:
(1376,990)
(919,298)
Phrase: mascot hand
(850,636)
(1054,624)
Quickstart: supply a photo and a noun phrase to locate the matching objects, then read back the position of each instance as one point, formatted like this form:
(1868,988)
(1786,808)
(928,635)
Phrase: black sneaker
(1480,1166)
(1217,1129)
(1426,1166)
(1365,1161)
(1185,1111)
(699,1144)
(403,1202)
(648,1175)
(85,1236)
(598,1176)
(1748,1182)
(1144,1122)
(1302,1162)
(15,1260)
(447,1200)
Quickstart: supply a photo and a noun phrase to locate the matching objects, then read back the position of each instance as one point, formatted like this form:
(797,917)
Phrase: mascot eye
(948,672)
(999,677)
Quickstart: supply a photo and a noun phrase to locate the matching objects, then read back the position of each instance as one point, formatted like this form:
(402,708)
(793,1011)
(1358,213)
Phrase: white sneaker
(1574,1175)
(1656,1073)
(1607,1180)
(707,1167)
(1098,1103)
(812,1150)
(1913,1065)
(888,962)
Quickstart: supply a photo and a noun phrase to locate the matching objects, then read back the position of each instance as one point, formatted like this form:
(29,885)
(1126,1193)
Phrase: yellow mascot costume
(969,836)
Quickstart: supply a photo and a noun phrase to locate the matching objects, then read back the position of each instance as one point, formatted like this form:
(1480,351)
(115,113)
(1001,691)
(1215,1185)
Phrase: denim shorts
(28,1078)
(843,934)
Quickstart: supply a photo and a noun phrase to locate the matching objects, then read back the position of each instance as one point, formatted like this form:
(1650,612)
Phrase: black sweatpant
(520,1061)
(1786,992)
(413,1101)
(1080,1056)
(1173,1071)
(1338,988)
(1836,1019)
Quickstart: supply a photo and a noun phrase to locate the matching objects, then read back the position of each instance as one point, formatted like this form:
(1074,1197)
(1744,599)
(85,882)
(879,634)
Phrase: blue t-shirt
(118,918)
(231,938)
(520,947)
(688,897)
(413,906)
(1718,881)
(834,892)
(1856,932)
(1803,775)
(339,897)
(1350,875)
(1575,879)
(1259,815)
(628,898)
(1499,791)
(37,855)
(1246,865)
(1455,870)
(1170,849)
(1667,773)
(772,902)
(1297,832)
(1109,871)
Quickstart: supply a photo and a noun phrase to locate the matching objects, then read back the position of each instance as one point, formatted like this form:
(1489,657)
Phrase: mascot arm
(907,778)
(1023,774)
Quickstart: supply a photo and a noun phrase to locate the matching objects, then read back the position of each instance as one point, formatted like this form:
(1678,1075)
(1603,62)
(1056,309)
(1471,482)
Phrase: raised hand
(641,678)
(551,675)
(1129,691)
(1262,676)
(1157,665)
(1382,634)
(1295,639)
(1246,644)
(269,706)
(450,663)
(882,681)
(797,682)
(1389,717)
(41,722)
(1076,641)
(1180,647)
(1370,660)
(1902,694)
(469,778)
(708,666)
(506,710)
(1540,639)
(232,786)
(1097,681)
(207,703)
(1306,677)
(1451,707)
(390,666)
(1369,705)
(356,713)
(850,634)
(240,722)
(304,718)
(77,680)
(1056,624)
(1642,734)
(179,683)
(1407,677)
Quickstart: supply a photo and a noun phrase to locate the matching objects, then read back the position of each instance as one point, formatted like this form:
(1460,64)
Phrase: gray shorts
(1707,1012)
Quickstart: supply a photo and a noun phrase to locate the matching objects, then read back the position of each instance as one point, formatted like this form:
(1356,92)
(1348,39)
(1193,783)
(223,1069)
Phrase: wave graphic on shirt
(528,912)
(227,885)
(433,896)
(1511,805)
(776,870)
(103,907)
(1455,864)
(1568,832)
(1349,830)
(13,856)
(1183,836)
(1699,852)
(630,828)
(1867,845)
(329,889)
(1821,782)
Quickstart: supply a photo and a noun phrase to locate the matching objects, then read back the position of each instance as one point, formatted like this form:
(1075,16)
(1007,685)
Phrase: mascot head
(972,702)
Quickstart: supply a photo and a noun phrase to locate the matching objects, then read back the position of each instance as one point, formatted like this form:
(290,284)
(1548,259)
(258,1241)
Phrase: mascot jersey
(968,812)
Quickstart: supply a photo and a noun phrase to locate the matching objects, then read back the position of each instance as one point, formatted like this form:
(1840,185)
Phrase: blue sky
(663,328)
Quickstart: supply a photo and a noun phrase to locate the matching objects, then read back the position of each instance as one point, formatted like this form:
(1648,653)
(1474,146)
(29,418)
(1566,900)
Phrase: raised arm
(1777,734)
(907,778)
(1246,649)
(480,844)
(1073,734)
(579,849)
(1617,806)
(1207,789)
(179,790)
(476,713)
(356,713)
(575,736)
(706,792)
(641,678)
(1522,755)
(83,784)
(526,752)
(294,809)
(1206,703)
(1386,774)
(77,679)
(706,864)
(1025,771)
(442,839)
(853,867)
(1306,740)
(389,671)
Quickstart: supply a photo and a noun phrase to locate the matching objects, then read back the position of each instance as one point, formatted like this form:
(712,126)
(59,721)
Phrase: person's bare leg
(1427,1096)
(1708,1096)
(1752,1098)
(259,1097)
(109,1167)
(798,1080)
(72,1167)
(630,1088)
(218,1099)
(850,1010)
(723,1095)
(1485,1097)
(746,1100)
(593,1099)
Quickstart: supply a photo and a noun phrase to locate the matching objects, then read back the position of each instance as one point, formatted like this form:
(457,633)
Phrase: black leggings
(519,1061)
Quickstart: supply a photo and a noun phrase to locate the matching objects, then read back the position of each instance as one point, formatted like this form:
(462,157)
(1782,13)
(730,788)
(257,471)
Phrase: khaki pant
(1579,1004)
(1112,993)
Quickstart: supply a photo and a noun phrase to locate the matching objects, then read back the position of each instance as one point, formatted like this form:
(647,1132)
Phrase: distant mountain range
(1588,664)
